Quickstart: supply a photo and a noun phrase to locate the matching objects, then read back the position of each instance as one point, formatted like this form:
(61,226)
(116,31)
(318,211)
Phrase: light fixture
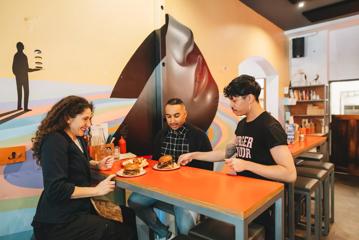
(301,4)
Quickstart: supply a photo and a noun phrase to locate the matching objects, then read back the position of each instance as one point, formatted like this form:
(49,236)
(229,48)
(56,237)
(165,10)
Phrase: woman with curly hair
(64,210)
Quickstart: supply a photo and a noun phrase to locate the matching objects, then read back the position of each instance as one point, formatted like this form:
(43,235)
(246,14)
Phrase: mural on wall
(185,75)
(21,69)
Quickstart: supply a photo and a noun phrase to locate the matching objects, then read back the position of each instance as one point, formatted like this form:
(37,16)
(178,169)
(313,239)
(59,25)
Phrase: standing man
(259,148)
(175,139)
(20,67)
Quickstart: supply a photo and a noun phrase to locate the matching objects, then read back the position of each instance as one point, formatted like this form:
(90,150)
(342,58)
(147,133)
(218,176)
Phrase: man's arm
(208,156)
(212,156)
(284,171)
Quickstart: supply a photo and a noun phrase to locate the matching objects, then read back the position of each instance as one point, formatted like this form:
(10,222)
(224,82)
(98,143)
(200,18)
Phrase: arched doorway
(260,68)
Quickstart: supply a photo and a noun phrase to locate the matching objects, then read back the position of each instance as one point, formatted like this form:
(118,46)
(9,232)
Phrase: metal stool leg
(332,179)
(326,206)
(317,214)
(308,217)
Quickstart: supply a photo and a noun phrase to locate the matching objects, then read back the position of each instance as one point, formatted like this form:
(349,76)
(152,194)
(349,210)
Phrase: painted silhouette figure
(20,68)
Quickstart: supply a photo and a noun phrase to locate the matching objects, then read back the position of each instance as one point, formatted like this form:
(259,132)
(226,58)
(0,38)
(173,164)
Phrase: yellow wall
(227,32)
(83,41)
(91,40)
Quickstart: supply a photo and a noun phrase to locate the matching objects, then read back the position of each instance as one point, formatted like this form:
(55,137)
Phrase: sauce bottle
(122,145)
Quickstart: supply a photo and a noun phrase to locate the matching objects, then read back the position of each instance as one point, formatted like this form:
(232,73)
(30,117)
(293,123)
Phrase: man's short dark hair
(175,101)
(242,86)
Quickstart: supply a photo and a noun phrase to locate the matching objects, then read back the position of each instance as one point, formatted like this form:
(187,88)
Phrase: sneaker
(170,235)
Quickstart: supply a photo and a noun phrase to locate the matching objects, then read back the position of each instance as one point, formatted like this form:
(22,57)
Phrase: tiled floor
(346,226)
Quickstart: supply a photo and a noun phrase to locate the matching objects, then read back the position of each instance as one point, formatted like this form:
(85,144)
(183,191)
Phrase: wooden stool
(307,186)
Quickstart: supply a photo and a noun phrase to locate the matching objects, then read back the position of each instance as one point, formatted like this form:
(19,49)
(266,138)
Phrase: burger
(165,161)
(131,169)
(137,160)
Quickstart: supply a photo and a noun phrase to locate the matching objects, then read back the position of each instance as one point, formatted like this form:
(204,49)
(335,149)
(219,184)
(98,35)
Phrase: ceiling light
(301,4)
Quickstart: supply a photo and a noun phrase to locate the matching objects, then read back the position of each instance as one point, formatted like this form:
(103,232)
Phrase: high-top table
(309,142)
(234,199)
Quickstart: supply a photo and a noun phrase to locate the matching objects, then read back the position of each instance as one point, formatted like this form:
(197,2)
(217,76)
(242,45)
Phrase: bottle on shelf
(312,127)
(290,130)
(122,145)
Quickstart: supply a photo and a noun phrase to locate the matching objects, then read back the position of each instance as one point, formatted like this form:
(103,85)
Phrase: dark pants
(22,82)
(87,227)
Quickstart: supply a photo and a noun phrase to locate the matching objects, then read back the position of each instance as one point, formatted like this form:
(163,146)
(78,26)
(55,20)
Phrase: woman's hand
(105,186)
(106,163)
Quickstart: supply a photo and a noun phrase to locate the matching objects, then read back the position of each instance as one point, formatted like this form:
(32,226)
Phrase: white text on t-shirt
(244,146)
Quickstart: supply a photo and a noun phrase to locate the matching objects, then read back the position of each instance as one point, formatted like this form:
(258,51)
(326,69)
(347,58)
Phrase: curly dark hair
(56,120)
(242,86)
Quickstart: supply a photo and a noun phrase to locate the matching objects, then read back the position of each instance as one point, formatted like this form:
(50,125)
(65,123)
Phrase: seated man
(260,148)
(175,139)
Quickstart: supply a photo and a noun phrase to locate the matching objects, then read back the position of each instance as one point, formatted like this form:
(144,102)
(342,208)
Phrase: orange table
(309,142)
(233,199)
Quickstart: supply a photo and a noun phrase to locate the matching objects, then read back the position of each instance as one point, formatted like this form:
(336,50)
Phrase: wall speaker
(298,47)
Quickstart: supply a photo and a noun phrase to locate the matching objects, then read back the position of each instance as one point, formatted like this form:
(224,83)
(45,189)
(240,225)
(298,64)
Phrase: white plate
(143,164)
(120,173)
(175,166)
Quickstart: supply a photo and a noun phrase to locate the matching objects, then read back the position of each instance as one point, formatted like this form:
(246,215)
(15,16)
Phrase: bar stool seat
(323,176)
(329,167)
(319,174)
(320,165)
(307,186)
(211,229)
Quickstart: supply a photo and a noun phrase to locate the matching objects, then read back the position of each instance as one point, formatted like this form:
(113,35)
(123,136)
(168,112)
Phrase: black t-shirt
(255,139)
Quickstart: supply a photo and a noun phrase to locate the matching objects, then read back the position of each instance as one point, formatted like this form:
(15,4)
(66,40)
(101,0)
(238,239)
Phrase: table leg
(241,230)
(120,196)
(279,216)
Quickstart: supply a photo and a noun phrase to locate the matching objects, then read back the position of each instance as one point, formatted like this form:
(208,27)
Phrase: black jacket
(197,139)
(64,166)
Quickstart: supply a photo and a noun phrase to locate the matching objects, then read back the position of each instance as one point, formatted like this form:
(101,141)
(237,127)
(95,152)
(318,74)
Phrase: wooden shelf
(309,101)
(307,86)
(317,107)
(306,115)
